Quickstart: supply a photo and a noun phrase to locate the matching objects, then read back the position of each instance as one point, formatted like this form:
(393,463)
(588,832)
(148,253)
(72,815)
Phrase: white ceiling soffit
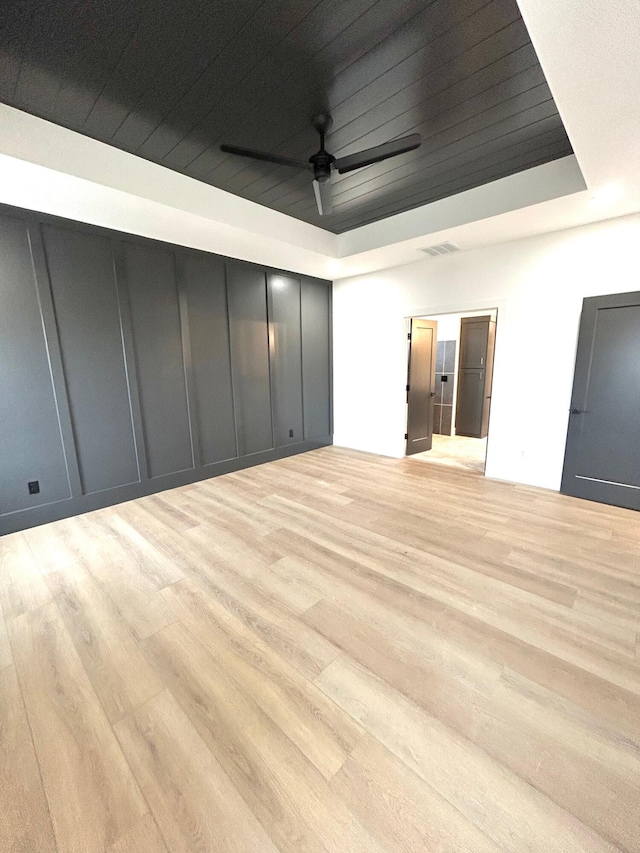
(48,168)
(588,50)
(590,53)
(542,183)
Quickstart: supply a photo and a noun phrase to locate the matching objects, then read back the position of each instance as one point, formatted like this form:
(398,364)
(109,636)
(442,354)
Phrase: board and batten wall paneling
(31,445)
(160,367)
(286,358)
(247,292)
(202,278)
(128,366)
(87,316)
(315,304)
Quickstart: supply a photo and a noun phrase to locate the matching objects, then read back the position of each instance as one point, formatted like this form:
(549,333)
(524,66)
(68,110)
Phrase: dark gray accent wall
(250,357)
(315,305)
(128,366)
(30,437)
(157,337)
(286,348)
(85,300)
(203,278)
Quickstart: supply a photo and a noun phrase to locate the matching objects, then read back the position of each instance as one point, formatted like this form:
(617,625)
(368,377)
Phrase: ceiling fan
(323,163)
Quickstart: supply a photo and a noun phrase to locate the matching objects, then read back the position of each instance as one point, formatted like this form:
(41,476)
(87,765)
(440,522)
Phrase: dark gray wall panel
(30,439)
(286,358)
(247,294)
(128,366)
(155,321)
(88,321)
(203,278)
(87,503)
(316,358)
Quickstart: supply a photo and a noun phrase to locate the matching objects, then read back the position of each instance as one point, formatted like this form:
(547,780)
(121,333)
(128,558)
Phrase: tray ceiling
(170,82)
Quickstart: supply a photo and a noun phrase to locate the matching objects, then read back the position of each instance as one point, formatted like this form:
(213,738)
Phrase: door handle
(578,411)
(433,394)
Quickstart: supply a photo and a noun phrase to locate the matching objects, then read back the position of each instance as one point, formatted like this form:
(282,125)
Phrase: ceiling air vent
(446,248)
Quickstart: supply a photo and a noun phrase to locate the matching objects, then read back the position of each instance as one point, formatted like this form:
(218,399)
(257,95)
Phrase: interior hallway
(333,652)
(457,451)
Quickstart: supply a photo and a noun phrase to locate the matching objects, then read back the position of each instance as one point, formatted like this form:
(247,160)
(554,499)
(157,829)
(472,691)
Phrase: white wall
(537,285)
(448,326)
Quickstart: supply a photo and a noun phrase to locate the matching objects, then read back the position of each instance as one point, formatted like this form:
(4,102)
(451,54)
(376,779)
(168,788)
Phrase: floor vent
(446,248)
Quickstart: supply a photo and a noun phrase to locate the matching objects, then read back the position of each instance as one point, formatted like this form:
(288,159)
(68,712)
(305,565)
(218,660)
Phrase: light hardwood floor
(458,451)
(333,653)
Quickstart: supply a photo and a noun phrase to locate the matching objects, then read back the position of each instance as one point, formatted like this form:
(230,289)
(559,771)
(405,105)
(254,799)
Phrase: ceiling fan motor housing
(322,162)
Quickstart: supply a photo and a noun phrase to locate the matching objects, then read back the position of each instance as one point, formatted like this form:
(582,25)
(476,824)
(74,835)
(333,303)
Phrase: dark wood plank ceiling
(170,81)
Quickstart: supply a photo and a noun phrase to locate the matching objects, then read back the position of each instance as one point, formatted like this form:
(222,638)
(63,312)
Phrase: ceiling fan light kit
(322,164)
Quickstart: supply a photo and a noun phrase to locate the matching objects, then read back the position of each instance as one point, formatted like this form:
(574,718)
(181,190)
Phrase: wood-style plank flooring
(458,451)
(332,653)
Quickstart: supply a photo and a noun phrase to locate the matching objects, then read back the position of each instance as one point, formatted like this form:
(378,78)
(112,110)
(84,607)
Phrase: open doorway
(450,408)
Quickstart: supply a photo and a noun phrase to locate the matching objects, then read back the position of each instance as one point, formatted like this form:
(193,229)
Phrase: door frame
(500,306)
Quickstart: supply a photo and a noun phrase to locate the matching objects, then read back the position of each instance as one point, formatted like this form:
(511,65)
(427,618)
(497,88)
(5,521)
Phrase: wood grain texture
(405,812)
(6,658)
(24,817)
(91,791)
(144,836)
(284,790)
(514,815)
(331,652)
(193,800)
(114,662)
(299,709)
(22,588)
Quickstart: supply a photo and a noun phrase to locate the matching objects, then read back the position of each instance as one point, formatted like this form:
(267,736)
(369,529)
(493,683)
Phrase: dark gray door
(422,385)
(602,459)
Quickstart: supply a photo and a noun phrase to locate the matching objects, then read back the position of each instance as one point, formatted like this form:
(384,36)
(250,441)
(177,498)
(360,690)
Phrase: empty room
(320,426)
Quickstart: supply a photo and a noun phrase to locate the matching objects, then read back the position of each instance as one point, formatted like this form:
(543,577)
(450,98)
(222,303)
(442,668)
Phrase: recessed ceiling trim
(171,88)
(542,183)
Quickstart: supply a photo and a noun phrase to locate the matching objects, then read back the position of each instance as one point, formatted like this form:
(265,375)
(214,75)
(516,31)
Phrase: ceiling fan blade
(262,155)
(377,154)
(322,190)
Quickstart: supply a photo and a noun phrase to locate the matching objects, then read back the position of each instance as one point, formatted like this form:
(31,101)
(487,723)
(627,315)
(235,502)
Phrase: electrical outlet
(290,433)
(34,487)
